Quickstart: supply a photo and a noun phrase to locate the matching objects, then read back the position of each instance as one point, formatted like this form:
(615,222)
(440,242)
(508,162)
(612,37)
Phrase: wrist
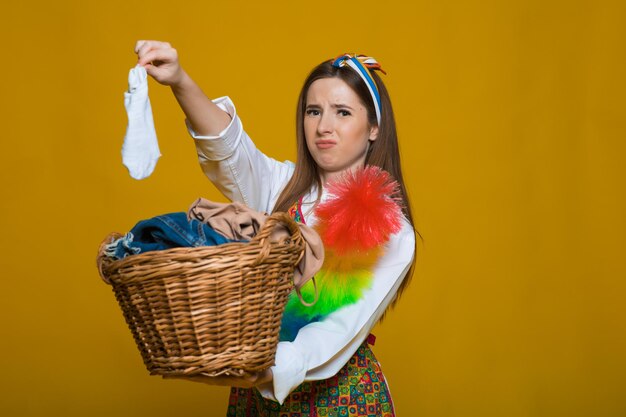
(180,80)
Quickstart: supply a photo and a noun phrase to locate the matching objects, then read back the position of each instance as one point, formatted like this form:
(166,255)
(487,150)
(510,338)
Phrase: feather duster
(355,223)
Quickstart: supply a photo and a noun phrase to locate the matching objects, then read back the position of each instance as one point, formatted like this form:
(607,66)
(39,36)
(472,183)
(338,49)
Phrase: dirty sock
(140,151)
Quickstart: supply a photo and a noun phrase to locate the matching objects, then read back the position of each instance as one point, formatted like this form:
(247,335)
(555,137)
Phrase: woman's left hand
(230,381)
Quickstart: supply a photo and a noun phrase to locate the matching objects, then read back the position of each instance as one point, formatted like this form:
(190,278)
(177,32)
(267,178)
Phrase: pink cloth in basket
(237,221)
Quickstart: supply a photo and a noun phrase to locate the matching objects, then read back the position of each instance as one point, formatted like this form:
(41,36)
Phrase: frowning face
(336,127)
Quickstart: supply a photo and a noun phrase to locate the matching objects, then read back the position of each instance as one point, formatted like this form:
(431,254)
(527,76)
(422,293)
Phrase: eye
(313,112)
(343,112)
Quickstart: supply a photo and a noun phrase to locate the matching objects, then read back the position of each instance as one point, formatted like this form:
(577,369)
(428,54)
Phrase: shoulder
(401,245)
(406,235)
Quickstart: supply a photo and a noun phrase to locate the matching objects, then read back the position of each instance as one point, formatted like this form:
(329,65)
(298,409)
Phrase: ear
(373,133)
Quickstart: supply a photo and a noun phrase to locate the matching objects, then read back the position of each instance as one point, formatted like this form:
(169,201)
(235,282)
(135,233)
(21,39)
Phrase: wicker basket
(213,310)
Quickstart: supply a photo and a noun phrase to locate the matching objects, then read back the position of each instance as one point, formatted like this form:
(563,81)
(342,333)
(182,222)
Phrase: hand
(160,61)
(230,381)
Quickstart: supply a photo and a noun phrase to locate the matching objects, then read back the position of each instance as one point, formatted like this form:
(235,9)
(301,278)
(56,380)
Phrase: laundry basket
(213,310)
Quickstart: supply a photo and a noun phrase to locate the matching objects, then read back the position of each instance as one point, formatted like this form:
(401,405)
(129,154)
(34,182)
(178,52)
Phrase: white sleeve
(322,348)
(236,167)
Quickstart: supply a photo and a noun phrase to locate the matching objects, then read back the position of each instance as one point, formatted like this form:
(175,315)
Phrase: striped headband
(362,65)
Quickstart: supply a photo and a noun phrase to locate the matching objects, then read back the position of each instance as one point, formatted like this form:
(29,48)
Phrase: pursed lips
(325,143)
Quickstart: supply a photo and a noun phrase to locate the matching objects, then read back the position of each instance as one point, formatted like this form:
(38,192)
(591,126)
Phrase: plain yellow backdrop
(511,122)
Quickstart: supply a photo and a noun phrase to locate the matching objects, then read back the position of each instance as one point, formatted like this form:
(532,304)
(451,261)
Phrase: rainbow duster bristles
(354,224)
(363,212)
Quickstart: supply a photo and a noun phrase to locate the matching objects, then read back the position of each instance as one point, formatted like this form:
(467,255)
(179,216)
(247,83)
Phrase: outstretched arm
(161,62)
(227,155)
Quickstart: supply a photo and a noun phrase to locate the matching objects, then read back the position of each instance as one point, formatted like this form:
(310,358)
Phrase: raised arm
(227,155)
(161,62)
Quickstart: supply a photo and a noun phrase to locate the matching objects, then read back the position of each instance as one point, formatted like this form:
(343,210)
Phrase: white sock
(140,151)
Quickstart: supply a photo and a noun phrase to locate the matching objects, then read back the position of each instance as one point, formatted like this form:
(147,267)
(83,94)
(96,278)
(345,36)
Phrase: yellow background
(511,119)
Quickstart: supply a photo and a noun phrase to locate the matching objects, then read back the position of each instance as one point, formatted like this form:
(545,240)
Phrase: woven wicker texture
(213,310)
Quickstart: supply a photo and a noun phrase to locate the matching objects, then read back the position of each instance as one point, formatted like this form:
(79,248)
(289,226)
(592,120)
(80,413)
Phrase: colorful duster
(355,223)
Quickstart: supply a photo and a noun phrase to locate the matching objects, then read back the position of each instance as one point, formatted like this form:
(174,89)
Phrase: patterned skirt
(358,389)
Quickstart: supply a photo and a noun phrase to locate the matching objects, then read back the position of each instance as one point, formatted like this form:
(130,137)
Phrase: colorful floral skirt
(358,389)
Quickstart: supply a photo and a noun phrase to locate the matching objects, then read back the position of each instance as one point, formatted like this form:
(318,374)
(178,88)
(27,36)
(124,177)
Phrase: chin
(325,166)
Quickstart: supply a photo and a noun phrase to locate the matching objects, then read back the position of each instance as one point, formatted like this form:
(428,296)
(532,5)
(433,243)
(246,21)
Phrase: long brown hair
(383,152)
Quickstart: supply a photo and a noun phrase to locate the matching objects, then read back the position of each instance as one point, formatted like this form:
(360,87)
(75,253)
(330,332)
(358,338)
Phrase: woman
(344,122)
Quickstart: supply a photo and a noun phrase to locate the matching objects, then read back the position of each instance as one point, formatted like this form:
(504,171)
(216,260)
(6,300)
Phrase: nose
(325,124)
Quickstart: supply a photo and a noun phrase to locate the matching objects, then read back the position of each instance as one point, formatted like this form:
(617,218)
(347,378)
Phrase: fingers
(148,51)
(160,61)
(150,44)
(157,56)
(138,45)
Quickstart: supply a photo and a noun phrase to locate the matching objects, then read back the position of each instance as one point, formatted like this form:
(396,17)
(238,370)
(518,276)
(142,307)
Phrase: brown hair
(383,152)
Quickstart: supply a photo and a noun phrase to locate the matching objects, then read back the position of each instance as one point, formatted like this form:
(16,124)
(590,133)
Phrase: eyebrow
(335,106)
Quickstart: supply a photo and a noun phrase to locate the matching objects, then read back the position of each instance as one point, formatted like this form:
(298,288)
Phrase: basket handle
(296,236)
(262,238)
(270,224)
(317,294)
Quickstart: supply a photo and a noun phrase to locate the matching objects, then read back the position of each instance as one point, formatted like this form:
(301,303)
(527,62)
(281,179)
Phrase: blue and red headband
(363,65)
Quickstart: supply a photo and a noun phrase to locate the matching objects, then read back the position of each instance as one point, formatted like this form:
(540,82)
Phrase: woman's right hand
(160,61)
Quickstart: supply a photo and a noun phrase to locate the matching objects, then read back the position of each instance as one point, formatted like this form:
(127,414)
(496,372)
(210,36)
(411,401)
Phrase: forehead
(331,90)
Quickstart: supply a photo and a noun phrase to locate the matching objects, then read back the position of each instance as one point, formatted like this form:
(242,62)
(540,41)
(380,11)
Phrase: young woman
(345,122)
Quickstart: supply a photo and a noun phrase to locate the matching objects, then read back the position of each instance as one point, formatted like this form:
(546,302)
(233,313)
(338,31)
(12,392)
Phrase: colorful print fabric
(295,211)
(358,389)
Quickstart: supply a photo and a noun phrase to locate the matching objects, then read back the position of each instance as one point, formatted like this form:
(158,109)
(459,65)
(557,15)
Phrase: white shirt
(243,173)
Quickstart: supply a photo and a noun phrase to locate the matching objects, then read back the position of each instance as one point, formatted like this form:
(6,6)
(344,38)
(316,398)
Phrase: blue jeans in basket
(164,232)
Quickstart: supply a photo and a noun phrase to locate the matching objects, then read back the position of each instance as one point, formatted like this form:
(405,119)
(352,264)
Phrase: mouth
(325,143)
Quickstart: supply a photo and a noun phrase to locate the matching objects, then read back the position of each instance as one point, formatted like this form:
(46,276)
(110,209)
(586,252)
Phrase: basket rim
(294,242)
(206,251)
(148,256)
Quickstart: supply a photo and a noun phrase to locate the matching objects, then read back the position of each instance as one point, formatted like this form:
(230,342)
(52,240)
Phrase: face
(336,127)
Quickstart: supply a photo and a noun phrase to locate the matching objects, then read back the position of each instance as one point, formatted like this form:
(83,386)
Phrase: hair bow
(363,65)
